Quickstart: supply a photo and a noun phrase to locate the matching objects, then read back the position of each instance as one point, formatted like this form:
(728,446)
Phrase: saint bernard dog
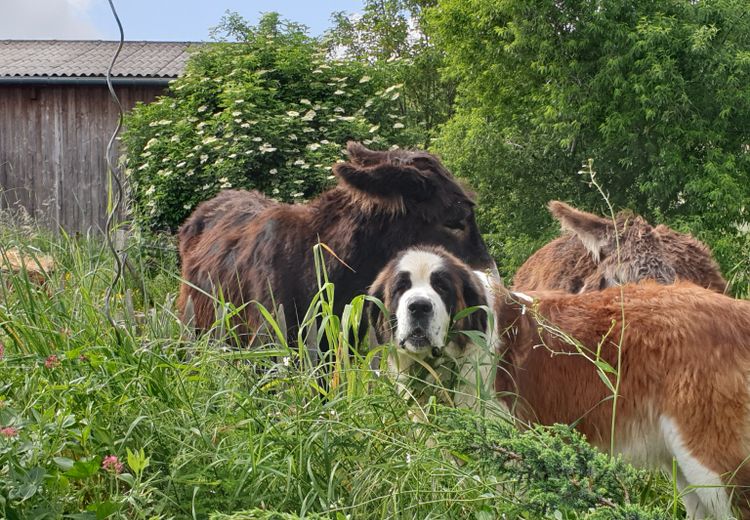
(429,294)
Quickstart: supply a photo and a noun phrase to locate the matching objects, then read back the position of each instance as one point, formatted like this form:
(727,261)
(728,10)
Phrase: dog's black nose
(420,308)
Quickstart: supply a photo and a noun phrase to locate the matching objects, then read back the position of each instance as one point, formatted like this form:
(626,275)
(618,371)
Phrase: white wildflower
(298,194)
(256,139)
(339,92)
(309,115)
(292,113)
(273,171)
(181,164)
(314,146)
(151,190)
(398,125)
(210,139)
(298,162)
(305,102)
(365,79)
(202,108)
(374,129)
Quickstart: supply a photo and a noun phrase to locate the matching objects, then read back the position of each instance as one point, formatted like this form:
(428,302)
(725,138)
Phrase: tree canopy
(655,92)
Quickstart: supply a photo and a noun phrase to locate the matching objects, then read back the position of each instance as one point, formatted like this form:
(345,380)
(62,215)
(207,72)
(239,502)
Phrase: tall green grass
(203,430)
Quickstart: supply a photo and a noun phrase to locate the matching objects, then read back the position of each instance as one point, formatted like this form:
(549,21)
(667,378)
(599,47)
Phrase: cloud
(43,19)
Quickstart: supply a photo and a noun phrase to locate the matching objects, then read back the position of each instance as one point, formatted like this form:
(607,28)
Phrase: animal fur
(685,379)
(585,258)
(422,289)
(254,249)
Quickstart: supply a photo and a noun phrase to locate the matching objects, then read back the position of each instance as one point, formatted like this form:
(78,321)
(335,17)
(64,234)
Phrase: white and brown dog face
(422,288)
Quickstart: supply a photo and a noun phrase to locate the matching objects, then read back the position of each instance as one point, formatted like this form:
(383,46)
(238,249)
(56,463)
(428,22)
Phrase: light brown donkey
(585,258)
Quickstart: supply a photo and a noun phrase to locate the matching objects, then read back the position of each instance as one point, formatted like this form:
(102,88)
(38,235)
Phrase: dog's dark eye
(403,283)
(440,284)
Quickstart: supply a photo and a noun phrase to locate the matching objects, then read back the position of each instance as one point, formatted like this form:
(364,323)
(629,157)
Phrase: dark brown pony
(254,249)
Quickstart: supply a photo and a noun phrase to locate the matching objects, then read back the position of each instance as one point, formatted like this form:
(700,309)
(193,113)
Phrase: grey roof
(91,59)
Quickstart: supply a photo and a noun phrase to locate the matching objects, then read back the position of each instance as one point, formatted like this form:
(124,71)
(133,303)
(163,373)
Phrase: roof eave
(78,81)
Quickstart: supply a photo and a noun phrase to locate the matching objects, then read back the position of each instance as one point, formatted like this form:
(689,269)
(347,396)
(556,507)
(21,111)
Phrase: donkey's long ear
(387,179)
(473,294)
(382,174)
(595,232)
(363,156)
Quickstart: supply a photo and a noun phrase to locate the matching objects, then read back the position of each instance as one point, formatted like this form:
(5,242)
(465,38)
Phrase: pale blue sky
(186,20)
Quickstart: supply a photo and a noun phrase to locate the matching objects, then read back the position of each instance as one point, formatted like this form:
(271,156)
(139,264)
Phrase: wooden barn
(56,118)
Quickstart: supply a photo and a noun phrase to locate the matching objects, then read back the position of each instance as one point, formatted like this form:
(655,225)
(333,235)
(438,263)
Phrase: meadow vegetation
(146,421)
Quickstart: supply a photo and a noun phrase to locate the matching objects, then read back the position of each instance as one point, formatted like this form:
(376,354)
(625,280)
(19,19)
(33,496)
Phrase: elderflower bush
(271,113)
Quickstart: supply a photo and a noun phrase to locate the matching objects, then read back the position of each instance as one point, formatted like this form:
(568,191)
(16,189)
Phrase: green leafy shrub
(270,112)
(649,90)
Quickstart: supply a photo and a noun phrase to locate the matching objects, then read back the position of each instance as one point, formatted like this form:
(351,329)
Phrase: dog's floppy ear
(473,295)
(383,175)
(374,314)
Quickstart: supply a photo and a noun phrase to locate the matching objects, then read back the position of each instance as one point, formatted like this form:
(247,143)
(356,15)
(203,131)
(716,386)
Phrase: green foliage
(553,469)
(270,112)
(652,91)
(157,424)
(391,33)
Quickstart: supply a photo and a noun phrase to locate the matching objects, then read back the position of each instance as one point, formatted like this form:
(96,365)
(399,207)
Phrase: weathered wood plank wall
(53,142)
